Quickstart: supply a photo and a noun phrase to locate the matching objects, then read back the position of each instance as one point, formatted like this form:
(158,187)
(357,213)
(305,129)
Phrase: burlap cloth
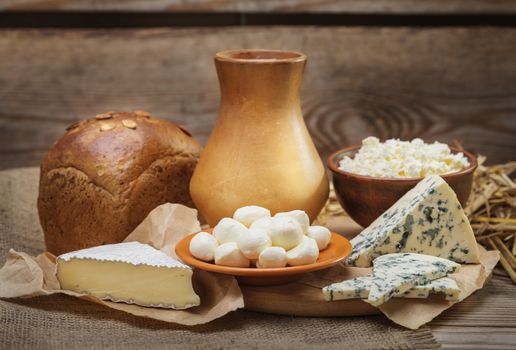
(61,322)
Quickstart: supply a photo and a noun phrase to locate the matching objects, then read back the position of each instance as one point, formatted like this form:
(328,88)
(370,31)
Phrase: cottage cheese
(403,159)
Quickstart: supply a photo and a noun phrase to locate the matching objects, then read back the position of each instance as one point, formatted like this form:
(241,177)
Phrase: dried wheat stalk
(492,211)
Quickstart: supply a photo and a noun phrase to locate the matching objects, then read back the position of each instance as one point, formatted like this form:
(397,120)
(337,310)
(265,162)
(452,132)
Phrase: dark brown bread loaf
(103,177)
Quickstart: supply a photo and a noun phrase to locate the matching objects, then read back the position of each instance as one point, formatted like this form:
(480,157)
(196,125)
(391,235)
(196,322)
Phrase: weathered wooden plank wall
(335,6)
(435,83)
(440,82)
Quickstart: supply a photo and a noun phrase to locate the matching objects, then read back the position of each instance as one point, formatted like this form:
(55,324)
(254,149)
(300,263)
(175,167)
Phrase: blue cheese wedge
(426,220)
(397,273)
(132,273)
(359,288)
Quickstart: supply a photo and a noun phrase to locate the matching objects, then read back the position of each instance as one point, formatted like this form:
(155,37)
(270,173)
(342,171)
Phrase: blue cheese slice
(132,272)
(356,288)
(397,273)
(359,288)
(426,220)
(445,286)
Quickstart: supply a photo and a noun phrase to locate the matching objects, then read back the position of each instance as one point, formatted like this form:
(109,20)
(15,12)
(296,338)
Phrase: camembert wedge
(359,288)
(397,273)
(133,273)
(426,220)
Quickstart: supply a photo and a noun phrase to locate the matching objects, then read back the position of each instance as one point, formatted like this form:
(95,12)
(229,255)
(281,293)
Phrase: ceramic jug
(260,151)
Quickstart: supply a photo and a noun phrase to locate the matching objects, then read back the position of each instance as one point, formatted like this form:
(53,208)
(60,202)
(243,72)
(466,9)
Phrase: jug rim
(260,56)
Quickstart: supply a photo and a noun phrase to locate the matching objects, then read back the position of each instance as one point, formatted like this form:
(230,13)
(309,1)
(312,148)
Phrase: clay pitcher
(260,151)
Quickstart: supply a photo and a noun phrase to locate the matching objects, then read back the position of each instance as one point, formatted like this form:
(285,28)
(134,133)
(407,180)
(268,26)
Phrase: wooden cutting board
(304,297)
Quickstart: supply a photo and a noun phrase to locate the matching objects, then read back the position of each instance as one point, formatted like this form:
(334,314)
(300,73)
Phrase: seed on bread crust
(129,123)
(106,126)
(141,113)
(103,116)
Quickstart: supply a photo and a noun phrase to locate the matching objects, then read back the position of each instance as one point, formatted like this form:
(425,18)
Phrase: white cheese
(254,242)
(305,253)
(131,272)
(397,273)
(427,220)
(403,159)
(359,288)
(300,216)
(263,224)
(202,246)
(272,257)
(321,235)
(285,232)
(228,254)
(249,214)
(228,230)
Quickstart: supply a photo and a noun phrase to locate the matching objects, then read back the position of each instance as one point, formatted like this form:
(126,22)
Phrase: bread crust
(104,175)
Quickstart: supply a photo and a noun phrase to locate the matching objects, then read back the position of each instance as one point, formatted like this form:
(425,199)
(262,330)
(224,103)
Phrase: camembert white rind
(426,220)
(132,273)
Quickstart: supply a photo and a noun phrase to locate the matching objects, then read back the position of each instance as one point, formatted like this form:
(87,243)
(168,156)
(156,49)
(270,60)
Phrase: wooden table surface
(437,83)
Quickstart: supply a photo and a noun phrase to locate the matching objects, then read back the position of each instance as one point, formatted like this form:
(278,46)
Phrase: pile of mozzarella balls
(253,237)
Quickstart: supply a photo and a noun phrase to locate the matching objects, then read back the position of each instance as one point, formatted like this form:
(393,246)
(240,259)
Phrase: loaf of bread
(103,177)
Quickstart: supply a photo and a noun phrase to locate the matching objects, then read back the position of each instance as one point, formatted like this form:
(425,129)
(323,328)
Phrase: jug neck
(265,82)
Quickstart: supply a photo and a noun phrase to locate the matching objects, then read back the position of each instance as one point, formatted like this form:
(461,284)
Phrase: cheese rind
(426,220)
(132,273)
(359,288)
(397,273)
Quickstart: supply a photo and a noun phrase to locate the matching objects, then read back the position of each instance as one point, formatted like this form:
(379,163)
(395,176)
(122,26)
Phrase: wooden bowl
(338,249)
(365,198)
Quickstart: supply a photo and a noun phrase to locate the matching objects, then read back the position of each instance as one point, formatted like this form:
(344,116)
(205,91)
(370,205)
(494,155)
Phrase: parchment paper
(413,313)
(27,276)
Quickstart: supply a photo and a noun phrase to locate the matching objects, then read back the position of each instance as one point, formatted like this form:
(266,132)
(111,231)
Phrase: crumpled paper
(413,313)
(27,276)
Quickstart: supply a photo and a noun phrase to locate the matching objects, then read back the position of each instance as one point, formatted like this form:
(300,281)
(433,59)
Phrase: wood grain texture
(486,320)
(304,297)
(438,84)
(304,6)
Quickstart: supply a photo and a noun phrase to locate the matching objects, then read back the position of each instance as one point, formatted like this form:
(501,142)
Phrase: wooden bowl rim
(335,169)
(340,244)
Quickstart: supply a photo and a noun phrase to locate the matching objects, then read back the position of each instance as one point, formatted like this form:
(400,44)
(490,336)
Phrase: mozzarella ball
(252,243)
(305,253)
(285,232)
(202,246)
(248,215)
(262,224)
(321,235)
(228,254)
(228,230)
(298,215)
(272,257)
